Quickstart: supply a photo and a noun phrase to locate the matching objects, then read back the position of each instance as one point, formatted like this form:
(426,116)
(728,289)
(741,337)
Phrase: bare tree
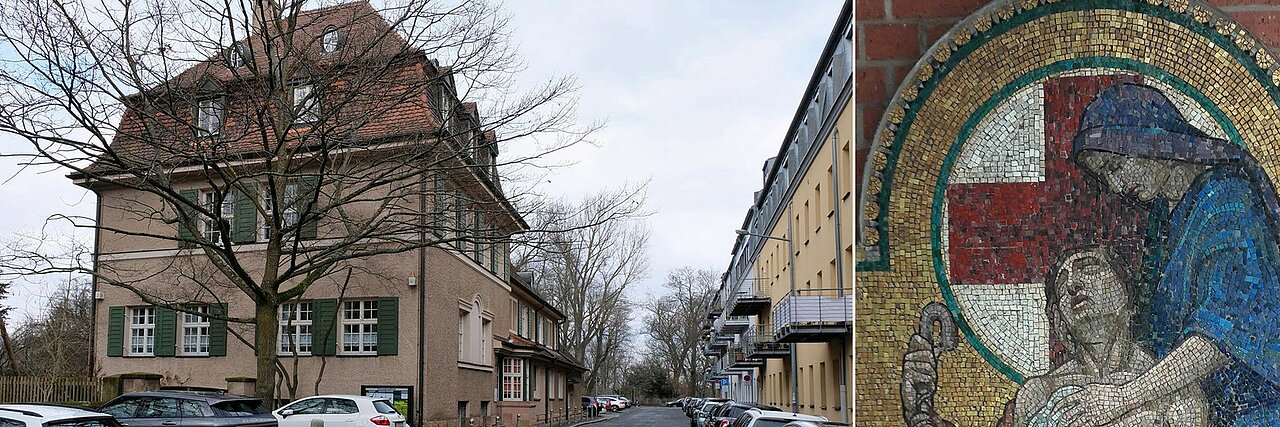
(55,342)
(673,324)
(586,270)
(323,137)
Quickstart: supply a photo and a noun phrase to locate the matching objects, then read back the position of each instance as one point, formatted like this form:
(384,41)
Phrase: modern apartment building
(781,326)
(380,324)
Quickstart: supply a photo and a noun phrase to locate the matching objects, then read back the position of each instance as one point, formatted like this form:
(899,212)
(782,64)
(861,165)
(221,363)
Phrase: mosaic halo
(1016,30)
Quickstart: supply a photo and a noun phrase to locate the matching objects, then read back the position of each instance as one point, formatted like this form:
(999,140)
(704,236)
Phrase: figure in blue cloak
(1215,307)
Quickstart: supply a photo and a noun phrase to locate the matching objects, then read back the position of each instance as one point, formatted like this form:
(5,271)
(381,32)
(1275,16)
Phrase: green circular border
(970,125)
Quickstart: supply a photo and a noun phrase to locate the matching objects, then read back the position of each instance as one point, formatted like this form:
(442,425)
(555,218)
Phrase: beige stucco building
(781,326)
(429,327)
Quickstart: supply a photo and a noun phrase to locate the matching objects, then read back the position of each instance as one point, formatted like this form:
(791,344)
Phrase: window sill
(192,356)
(355,355)
(474,366)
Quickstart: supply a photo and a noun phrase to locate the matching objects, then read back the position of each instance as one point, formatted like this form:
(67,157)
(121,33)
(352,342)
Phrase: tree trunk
(265,341)
(8,346)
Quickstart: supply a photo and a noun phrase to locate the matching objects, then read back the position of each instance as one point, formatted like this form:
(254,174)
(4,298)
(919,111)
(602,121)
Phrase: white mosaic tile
(1008,144)
(1010,320)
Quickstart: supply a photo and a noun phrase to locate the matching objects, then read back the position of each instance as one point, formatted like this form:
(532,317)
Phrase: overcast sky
(695,95)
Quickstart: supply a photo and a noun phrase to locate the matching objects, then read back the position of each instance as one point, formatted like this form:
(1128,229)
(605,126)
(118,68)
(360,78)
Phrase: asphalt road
(645,416)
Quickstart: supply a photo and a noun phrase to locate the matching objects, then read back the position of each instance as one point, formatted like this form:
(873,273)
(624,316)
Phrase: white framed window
(360,327)
(195,331)
(142,331)
(330,40)
(295,328)
(446,107)
(512,379)
(306,104)
(463,315)
(226,211)
(288,210)
(209,117)
(486,331)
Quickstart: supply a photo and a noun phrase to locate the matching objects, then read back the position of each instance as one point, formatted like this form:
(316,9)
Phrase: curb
(593,421)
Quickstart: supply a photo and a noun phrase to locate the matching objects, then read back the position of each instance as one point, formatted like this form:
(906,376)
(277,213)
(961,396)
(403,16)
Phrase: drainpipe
(840,277)
(93,286)
(420,407)
(795,347)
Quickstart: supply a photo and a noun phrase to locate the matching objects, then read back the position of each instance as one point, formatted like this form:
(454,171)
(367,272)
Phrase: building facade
(539,383)
(1046,181)
(386,324)
(781,325)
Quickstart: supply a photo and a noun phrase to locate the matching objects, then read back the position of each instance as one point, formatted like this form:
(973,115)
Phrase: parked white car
(624,402)
(38,415)
(339,410)
(759,418)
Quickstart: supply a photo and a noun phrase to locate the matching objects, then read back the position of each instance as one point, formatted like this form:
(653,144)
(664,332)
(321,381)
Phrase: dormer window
(238,55)
(306,104)
(209,117)
(330,40)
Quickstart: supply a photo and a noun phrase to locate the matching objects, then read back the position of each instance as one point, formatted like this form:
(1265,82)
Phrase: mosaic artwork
(1102,244)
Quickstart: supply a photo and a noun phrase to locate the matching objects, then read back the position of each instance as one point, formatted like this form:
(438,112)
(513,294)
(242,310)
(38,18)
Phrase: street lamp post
(791,270)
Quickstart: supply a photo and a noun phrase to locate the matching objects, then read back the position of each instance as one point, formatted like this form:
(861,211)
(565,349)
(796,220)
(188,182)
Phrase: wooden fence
(54,390)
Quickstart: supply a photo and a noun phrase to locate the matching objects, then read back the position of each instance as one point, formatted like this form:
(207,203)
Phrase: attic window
(237,55)
(330,40)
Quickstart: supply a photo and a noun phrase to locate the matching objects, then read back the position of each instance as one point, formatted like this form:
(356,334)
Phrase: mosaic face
(1016,199)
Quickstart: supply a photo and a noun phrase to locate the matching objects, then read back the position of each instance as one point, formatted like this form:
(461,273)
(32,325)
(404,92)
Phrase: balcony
(752,298)
(737,360)
(813,315)
(758,343)
(730,325)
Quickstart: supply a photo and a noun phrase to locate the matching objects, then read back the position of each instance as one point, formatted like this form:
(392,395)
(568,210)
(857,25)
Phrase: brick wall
(892,34)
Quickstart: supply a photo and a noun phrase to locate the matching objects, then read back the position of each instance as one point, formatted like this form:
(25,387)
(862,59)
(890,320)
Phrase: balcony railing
(751,298)
(730,325)
(738,360)
(813,315)
(758,343)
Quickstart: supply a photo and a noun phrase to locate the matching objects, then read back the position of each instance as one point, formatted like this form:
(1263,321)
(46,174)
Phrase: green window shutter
(388,326)
(217,330)
(324,328)
(115,331)
(308,187)
(166,330)
(461,225)
(187,234)
(527,376)
(520,320)
(477,227)
(493,258)
(245,228)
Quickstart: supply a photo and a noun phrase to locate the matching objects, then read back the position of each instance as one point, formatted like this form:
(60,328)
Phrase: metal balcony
(758,343)
(751,299)
(730,325)
(738,360)
(813,315)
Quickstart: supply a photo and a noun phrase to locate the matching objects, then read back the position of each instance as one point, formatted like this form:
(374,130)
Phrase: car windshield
(384,407)
(96,422)
(240,408)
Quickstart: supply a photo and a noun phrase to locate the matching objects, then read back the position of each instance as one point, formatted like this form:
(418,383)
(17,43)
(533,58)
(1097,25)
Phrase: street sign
(724,382)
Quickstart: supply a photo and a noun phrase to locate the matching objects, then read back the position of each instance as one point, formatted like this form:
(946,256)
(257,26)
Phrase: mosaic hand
(1097,404)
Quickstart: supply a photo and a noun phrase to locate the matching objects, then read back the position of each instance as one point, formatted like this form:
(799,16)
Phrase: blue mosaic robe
(1222,281)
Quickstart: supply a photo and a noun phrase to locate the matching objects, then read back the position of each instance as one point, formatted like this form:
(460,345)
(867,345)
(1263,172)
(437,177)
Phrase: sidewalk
(603,417)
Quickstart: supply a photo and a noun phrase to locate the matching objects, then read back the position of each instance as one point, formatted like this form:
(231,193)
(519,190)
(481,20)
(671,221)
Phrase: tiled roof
(393,104)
